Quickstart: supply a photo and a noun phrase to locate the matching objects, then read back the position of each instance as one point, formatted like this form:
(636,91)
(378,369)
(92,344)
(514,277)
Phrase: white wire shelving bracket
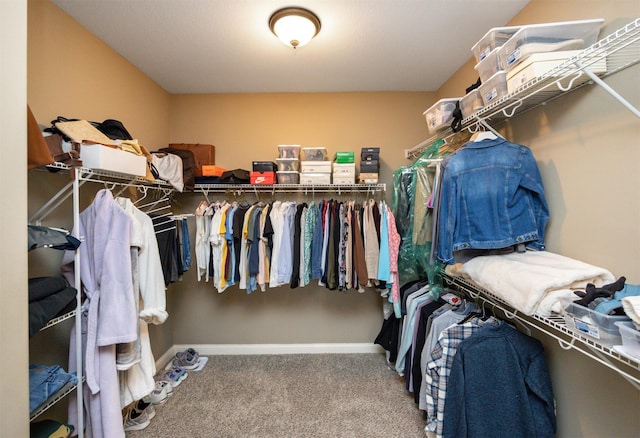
(556,328)
(620,50)
(290,188)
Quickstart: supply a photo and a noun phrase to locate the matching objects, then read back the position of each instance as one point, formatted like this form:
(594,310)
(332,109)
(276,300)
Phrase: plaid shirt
(439,366)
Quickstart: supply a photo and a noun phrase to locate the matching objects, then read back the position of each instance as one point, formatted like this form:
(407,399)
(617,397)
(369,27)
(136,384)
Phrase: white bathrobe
(108,313)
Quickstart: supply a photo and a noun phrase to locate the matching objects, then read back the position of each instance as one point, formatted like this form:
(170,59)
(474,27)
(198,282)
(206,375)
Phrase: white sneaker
(135,420)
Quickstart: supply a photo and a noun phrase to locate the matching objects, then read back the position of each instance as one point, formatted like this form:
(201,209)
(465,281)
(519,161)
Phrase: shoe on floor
(160,393)
(146,407)
(179,371)
(171,376)
(186,360)
(135,420)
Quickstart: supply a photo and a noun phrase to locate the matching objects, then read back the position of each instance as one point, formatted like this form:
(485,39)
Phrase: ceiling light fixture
(294,26)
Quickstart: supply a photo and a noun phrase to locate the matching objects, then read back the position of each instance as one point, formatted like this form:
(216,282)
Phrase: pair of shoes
(137,419)
(180,371)
(186,360)
(160,394)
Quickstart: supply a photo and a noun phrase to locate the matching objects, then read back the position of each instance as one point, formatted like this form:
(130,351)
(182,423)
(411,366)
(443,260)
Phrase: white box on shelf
(548,37)
(315,178)
(540,63)
(495,37)
(339,180)
(440,114)
(97,156)
(344,169)
(315,166)
(630,338)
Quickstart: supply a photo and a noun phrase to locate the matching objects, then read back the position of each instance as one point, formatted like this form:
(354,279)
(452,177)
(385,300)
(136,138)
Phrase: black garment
(421,336)
(389,335)
(238,221)
(295,275)
(42,287)
(166,237)
(43,310)
(45,237)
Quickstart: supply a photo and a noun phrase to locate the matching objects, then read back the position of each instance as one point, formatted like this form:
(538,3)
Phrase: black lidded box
(370,154)
(264,166)
(370,166)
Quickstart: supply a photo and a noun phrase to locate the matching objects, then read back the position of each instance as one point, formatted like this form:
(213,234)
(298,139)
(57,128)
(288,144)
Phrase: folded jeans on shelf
(45,381)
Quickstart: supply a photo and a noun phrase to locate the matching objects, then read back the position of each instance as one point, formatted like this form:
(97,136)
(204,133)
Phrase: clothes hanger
(483,135)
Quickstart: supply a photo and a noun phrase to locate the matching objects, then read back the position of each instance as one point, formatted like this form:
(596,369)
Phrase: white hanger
(483,135)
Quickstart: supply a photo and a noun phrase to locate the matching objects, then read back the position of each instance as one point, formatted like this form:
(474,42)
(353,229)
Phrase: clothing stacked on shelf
(471,374)
(124,290)
(341,245)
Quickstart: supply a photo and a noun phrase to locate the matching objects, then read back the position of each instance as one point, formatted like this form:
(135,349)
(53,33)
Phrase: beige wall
(587,148)
(14,381)
(74,74)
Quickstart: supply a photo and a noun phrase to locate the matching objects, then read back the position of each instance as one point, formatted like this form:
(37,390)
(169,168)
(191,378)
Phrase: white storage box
(471,102)
(540,63)
(594,324)
(548,37)
(315,154)
(97,156)
(288,164)
(440,114)
(289,150)
(494,88)
(315,166)
(630,338)
(495,37)
(338,180)
(288,177)
(344,169)
(489,66)
(315,178)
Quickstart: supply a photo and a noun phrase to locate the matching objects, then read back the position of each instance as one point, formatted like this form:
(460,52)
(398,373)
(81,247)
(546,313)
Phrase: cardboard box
(368,154)
(338,180)
(315,166)
(344,169)
(97,156)
(212,170)
(344,157)
(315,178)
(262,177)
(204,154)
(372,166)
(264,166)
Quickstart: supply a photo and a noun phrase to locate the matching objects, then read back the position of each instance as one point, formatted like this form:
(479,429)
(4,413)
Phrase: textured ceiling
(225,46)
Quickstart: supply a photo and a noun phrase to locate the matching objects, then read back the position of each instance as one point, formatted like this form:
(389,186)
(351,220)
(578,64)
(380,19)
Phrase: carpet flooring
(315,395)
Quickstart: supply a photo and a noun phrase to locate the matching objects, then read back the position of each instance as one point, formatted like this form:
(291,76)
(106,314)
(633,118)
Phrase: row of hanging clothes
(470,373)
(127,251)
(341,245)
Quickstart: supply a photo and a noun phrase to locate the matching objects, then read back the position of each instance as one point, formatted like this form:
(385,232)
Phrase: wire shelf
(59,319)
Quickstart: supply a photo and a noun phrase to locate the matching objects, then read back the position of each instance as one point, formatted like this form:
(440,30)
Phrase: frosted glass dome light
(295,27)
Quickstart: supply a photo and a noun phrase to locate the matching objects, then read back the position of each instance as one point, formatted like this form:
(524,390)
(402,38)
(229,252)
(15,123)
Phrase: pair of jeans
(45,381)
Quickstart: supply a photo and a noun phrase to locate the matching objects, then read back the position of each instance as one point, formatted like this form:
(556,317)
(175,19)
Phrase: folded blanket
(631,306)
(538,282)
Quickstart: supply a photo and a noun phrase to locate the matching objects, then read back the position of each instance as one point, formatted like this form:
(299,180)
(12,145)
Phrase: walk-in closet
(323,306)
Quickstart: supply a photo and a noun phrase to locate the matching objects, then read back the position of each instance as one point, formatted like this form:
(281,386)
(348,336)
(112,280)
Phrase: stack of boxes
(315,168)
(369,165)
(288,164)
(344,168)
(263,172)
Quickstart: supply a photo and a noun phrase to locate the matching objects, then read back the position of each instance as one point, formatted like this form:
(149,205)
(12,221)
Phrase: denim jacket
(492,197)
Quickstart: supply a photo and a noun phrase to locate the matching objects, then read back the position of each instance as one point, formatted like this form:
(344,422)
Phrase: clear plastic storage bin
(630,338)
(495,37)
(488,66)
(594,324)
(440,114)
(315,154)
(288,164)
(470,103)
(494,88)
(289,150)
(285,177)
(548,37)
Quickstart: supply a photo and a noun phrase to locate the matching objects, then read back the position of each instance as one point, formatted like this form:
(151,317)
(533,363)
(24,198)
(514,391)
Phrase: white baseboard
(229,349)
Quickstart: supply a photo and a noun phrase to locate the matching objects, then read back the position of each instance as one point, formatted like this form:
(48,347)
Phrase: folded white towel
(538,282)
(631,306)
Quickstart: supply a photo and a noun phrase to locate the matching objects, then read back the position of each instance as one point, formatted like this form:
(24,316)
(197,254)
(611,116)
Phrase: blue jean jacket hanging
(492,197)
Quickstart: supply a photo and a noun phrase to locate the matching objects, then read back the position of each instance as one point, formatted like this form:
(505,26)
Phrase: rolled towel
(631,306)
